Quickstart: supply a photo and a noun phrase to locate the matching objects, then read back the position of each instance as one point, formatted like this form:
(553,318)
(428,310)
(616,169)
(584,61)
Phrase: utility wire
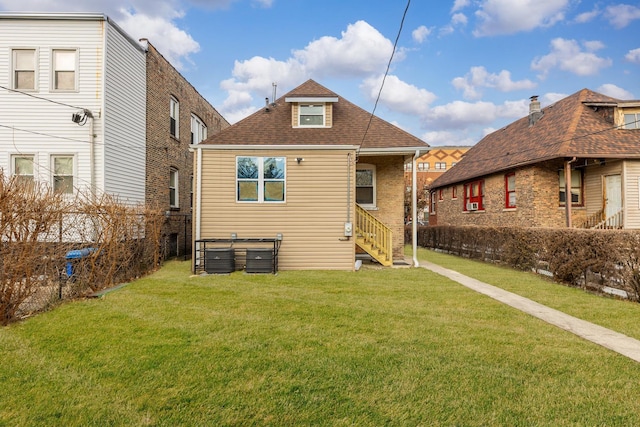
(384,77)
(39,97)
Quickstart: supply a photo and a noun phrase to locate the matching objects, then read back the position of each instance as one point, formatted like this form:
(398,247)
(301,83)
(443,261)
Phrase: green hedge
(591,259)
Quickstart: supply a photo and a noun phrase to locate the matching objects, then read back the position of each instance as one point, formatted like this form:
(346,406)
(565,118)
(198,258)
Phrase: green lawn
(376,347)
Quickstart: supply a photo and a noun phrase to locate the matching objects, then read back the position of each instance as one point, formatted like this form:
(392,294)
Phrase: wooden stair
(374,237)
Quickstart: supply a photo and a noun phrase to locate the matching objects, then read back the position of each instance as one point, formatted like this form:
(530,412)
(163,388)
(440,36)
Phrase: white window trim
(176,188)
(261,180)
(52,167)
(17,155)
(174,101)
(75,71)
(324,115)
(36,74)
(200,127)
(366,166)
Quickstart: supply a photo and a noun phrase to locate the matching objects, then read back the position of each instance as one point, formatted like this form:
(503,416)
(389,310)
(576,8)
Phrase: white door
(612,196)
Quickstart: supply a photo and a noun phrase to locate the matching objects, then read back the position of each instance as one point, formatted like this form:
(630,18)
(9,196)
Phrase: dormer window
(311,115)
(632,120)
(311,111)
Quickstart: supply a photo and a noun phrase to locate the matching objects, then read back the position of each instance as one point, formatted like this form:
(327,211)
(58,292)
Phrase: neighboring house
(313,168)
(429,167)
(177,116)
(88,110)
(518,175)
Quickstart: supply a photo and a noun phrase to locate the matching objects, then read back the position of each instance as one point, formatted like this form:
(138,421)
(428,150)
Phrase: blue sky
(462,68)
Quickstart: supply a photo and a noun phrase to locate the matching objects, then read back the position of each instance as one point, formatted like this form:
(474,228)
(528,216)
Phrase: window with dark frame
(454,192)
(173,188)
(174,117)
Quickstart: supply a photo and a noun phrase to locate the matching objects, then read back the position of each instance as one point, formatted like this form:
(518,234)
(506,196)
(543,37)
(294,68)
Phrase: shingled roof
(572,127)
(272,126)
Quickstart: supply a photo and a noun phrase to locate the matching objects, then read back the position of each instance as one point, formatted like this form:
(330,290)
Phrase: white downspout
(198,201)
(414,209)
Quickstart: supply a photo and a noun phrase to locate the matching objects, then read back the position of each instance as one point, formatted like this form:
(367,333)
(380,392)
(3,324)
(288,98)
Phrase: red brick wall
(164,151)
(537,202)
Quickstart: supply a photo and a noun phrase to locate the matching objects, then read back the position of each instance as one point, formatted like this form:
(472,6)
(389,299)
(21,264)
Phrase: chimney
(535,113)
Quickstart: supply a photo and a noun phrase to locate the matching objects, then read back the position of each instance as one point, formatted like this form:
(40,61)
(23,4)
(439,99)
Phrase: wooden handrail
(374,236)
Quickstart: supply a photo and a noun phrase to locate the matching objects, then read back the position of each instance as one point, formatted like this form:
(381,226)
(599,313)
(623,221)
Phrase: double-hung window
(173,188)
(24,69)
(576,188)
(366,185)
(23,167)
(510,190)
(441,166)
(260,179)
(474,196)
(65,62)
(198,130)
(423,166)
(174,117)
(63,174)
(632,121)
(311,115)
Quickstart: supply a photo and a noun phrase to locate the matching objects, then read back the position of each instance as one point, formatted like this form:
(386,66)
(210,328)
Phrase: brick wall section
(390,197)
(165,152)
(537,202)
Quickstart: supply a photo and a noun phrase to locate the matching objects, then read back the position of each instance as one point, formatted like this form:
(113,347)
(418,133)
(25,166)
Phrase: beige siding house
(311,170)
(575,163)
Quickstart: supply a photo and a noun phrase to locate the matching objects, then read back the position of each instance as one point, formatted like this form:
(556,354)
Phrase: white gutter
(290,147)
(414,208)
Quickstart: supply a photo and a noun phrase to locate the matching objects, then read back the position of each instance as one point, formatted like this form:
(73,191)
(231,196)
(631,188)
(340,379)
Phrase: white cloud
(459,4)
(621,15)
(420,34)
(441,138)
(568,56)
(461,115)
(478,77)
(512,16)
(585,17)
(615,91)
(174,44)
(398,95)
(633,56)
(459,19)
(361,50)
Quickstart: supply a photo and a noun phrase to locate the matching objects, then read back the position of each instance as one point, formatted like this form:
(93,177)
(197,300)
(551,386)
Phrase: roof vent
(535,112)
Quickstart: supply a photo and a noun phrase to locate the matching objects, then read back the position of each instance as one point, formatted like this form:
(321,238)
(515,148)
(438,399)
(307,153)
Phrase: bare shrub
(40,232)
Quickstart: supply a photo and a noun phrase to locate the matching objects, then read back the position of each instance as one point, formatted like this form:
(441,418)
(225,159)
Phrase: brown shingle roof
(273,127)
(569,128)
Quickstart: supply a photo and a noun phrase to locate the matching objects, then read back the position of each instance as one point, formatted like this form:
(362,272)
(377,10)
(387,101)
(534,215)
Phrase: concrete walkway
(612,340)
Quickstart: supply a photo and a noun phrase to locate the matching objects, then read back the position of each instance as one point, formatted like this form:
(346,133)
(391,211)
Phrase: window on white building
(64,65)
(63,180)
(24,69)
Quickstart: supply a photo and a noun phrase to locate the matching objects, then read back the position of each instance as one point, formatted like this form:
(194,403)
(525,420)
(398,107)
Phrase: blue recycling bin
(75,256)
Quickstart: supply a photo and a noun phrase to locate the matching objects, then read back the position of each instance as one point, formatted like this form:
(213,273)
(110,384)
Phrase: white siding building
(73,103)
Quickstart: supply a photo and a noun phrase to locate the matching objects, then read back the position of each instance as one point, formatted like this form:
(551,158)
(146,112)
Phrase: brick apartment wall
(164,151)
(390,197)
(537,202)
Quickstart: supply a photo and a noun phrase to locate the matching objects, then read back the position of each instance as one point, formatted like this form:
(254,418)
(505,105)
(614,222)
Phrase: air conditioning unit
(472,206)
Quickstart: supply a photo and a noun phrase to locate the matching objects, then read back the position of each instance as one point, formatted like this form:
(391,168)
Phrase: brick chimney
(535,112)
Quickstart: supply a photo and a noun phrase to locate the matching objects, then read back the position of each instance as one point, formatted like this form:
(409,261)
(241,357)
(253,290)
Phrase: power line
(40,98)
(384,77)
